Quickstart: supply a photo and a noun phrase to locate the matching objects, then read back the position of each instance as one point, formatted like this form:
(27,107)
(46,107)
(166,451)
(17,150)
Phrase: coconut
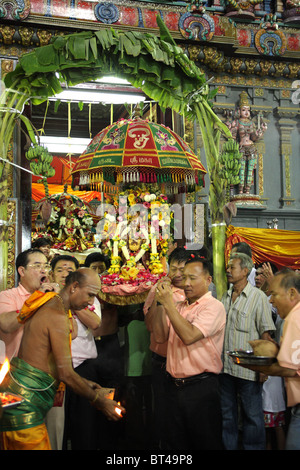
(264,348)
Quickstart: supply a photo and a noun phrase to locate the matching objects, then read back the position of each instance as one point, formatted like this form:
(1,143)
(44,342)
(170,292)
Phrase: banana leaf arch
(154,64)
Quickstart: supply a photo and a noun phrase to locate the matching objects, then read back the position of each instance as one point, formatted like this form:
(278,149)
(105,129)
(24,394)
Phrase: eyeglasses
(40,266)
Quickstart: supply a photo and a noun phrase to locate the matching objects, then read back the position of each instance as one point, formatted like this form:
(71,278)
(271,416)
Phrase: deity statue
(243,130)
(291,11)
(241,8)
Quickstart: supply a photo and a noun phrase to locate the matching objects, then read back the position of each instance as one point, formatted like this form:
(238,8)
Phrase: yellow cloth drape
(280,247)
(33,303)
(35,438)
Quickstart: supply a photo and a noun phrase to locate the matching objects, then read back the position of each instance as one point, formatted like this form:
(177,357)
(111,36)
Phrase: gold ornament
(244,100)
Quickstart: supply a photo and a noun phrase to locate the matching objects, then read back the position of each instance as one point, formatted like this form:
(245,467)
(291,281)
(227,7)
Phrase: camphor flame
(4,369)
(118,410)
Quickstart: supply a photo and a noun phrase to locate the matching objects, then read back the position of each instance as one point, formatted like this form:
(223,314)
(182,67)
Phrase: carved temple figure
(291,11)
(241,8)
(243,130)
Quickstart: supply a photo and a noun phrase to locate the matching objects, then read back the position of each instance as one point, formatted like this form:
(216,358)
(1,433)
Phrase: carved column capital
(287,112)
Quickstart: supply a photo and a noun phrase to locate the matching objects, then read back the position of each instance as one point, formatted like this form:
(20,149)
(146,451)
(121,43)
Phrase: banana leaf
(93,46)
(164,32)
(45,57)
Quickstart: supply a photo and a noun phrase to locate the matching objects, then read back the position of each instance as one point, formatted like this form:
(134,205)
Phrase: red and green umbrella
(136,150)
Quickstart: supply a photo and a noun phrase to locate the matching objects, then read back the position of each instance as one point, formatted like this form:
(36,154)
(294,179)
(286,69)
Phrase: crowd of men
(202,400)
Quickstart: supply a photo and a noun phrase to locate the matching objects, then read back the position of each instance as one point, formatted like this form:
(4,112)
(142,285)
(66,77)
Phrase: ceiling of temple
(81,119)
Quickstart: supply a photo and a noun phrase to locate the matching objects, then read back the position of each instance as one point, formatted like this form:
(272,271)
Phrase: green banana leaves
(158,66)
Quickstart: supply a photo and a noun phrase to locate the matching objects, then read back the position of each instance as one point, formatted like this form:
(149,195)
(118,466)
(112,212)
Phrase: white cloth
(97,306)
(251,277)
(83,346)
(273,395)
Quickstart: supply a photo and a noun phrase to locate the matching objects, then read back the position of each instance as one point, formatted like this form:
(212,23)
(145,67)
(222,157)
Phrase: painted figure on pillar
(243,130)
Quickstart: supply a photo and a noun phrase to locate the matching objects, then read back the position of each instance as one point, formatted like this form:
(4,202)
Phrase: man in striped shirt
(248,318)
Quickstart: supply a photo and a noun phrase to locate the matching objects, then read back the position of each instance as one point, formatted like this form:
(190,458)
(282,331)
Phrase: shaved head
(84,276)
(82,286)
(90,276)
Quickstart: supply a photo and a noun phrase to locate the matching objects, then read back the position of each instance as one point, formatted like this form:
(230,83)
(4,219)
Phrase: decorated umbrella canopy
(136,150)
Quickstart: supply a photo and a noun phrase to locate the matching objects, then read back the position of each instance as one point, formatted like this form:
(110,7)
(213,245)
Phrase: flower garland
(120,229)
(69,226)
(135,280)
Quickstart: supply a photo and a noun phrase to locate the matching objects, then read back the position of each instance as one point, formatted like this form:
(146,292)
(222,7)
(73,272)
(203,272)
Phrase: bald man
(44,360)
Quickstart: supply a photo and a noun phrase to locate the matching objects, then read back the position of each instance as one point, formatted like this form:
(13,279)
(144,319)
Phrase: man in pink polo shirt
(32,268)
(194,330)
(285,297)
(177,260)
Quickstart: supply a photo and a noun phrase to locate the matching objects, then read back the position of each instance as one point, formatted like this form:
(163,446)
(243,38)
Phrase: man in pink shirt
(194,330)
(285,297)
(177,260)
(32,268)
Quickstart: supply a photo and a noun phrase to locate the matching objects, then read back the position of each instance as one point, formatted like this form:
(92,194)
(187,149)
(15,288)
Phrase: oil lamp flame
(4,369)
(118,410)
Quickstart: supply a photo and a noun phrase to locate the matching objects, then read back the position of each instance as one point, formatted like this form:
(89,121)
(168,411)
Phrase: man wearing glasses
(32,268)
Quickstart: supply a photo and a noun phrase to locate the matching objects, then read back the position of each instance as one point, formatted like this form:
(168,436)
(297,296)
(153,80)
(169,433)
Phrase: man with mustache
(248,318)
(194,330)
(44,360)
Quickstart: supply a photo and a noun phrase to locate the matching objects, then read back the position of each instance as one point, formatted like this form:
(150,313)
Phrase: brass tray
(248,358)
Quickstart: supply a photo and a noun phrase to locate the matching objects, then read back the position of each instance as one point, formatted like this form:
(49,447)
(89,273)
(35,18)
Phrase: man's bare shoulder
(53,308)
(56,303)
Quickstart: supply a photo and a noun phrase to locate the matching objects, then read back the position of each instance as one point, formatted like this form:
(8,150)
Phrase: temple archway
(155,65)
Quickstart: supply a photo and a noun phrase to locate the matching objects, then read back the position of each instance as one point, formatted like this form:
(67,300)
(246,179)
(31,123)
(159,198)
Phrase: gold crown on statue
(244,100)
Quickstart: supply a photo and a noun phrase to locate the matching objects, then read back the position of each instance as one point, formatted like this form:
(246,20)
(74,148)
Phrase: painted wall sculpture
(244,131)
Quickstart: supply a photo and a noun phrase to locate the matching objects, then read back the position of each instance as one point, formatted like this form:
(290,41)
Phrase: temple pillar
(286,126)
